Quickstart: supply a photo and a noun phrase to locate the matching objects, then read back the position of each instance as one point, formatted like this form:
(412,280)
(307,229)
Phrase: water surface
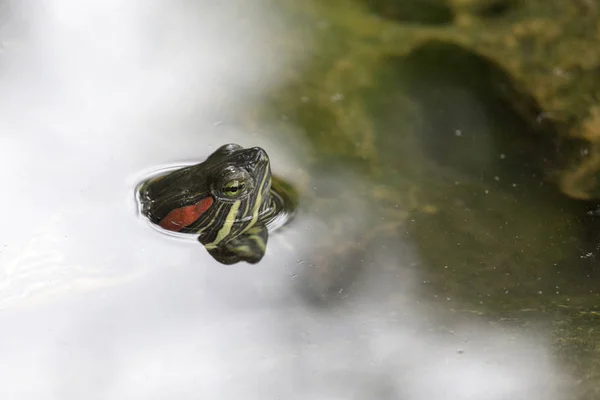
(466,293)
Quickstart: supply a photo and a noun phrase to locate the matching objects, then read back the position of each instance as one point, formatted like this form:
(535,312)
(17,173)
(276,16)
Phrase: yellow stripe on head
(226,228)
(257,202)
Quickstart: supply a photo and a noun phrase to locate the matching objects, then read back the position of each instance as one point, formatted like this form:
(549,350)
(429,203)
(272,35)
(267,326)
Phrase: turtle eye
(233,188)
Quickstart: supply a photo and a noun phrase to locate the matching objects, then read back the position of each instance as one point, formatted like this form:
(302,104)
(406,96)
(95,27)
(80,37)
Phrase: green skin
(228,201)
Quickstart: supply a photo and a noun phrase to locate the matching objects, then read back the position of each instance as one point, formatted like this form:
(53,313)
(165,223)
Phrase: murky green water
(443,162)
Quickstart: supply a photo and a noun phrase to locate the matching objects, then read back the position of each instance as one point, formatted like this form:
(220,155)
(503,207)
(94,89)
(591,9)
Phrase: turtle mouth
(147,204)
(143,197)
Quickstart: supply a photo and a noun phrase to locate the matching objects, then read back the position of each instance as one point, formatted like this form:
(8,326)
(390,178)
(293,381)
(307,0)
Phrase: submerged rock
(544,58)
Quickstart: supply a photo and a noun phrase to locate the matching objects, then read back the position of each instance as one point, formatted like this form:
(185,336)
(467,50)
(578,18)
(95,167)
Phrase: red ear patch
(181,217)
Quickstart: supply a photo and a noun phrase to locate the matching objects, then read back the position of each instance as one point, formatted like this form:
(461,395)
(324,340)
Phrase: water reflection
(94,302)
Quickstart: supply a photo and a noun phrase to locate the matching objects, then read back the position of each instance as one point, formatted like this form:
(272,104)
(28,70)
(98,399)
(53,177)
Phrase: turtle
(230,201)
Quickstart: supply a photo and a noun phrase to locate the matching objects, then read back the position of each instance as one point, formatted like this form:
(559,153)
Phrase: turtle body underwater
(230,201)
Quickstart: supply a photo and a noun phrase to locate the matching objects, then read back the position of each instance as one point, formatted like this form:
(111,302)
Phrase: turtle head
(219,199)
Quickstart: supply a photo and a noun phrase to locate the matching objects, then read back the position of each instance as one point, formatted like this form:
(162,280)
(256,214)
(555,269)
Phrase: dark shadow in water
(502,238)
(464,101)
(427,12)
(495,8)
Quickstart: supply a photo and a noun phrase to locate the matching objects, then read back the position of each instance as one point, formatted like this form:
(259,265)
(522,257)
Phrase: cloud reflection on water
(96,305)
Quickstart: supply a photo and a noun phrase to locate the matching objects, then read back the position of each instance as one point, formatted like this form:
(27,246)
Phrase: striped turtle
(230,201)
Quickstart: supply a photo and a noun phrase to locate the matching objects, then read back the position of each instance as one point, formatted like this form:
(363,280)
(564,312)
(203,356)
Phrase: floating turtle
(230,201)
